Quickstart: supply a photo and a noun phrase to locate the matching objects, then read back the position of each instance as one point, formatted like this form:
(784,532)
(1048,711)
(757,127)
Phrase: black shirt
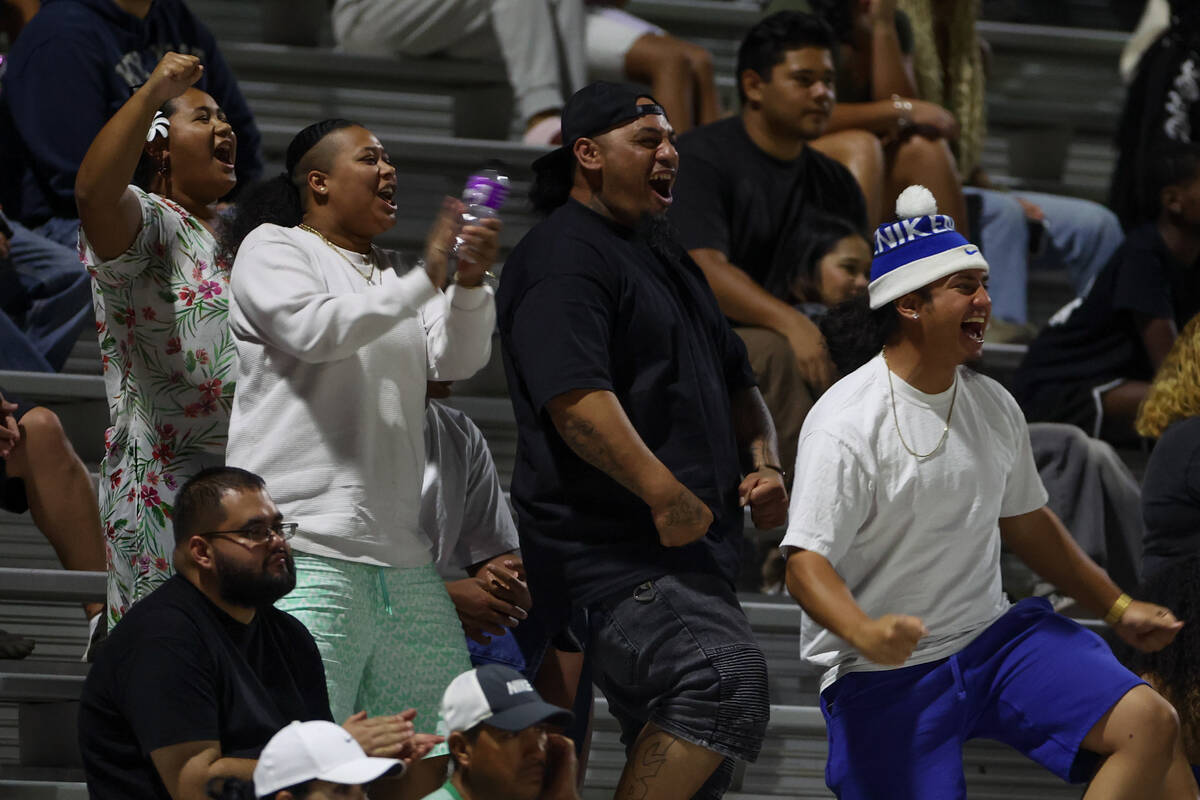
(732,197)
(178,669)
(585,304)
(1096,340)
(1171,497)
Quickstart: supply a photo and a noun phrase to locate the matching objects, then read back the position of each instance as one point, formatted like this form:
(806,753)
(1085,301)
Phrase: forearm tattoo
(590,445)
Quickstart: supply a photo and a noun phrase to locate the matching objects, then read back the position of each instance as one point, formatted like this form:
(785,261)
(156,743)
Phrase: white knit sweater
(330,401)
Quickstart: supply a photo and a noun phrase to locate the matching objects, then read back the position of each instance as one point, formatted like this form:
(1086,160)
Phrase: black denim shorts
(678,651)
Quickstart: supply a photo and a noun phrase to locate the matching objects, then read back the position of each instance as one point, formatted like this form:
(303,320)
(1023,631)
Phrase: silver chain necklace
(896,418)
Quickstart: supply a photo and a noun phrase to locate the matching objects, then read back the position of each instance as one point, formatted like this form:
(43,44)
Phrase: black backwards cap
(594,109)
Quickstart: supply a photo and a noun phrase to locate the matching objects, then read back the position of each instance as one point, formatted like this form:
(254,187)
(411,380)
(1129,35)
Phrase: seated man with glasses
(202,672)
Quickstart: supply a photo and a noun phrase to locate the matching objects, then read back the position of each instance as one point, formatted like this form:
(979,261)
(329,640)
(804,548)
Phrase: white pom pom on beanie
(918,249)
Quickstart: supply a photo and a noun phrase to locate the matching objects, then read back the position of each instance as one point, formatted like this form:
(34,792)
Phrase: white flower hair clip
(158,127)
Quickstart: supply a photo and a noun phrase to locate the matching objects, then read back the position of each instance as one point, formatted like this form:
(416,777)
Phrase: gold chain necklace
(896,419)
(370,274)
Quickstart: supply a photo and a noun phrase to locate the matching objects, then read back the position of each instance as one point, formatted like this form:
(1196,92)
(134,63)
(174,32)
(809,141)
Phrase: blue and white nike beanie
(917,249)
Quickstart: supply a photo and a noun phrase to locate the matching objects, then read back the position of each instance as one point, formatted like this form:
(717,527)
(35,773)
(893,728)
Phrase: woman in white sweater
(336,339)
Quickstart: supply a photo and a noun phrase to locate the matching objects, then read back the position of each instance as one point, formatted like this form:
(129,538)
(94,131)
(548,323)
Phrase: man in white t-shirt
(911,470)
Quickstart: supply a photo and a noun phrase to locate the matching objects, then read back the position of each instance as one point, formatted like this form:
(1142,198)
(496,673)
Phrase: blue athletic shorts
(1034,680)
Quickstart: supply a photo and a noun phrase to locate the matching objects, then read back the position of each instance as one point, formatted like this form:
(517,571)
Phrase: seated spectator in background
(41,473)
(1079,236)
(90,56)
(45,297)
(1175,670)
(541,43)
(1171,488)
(148,190)
(502,740)
(199,676)
(312,760)
(1161,106)
(45,300)
(745,183)
(466,518)
(832,260)
(887,137)
(680,74)
(1092,364)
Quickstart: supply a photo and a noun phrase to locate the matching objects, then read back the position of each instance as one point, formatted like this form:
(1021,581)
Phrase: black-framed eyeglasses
(259,534)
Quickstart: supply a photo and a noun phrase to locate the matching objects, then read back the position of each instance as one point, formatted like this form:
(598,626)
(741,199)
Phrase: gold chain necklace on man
(370,273)
(896,418)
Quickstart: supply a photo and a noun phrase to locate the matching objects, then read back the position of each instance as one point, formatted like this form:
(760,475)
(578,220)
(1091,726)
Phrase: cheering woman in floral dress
(161,296)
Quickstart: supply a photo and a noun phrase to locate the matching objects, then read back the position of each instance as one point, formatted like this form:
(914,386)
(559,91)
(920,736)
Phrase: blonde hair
(953,80)
(1175,392)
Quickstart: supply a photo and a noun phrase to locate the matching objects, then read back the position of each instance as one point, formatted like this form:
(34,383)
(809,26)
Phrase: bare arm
(1041,541)
(763,489)
(187,767)
(891,69)
(108,211)
(1157,337)
(595,427)
(744,301)
(824,596)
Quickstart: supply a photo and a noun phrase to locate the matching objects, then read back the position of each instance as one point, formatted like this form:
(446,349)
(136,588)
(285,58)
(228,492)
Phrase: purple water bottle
(484,194)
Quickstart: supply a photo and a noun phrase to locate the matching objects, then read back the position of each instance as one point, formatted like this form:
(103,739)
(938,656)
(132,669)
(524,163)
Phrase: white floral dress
(170,364)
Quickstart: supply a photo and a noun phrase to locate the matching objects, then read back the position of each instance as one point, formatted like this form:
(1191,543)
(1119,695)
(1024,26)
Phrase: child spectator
(833,261)
(1171,489)
(1092,364)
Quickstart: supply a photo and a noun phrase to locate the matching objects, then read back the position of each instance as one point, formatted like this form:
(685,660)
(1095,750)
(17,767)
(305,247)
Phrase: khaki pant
(784,389)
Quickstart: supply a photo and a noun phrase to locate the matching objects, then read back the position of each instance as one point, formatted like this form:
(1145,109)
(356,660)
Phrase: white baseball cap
(320,750)
(501,697)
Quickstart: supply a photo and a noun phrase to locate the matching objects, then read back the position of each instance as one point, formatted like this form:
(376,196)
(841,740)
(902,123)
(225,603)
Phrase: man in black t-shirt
(200,674)
(744,185)
(641,437)
(1092,365)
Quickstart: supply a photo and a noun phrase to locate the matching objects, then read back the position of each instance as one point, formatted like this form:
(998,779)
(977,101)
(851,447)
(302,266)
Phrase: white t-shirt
(907,535)
(463,509)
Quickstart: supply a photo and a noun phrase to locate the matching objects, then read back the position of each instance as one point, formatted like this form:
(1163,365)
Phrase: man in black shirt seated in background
(199,675)
(744,185)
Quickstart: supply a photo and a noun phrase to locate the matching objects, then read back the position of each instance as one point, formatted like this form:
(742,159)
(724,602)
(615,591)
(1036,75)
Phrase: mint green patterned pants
(389,637)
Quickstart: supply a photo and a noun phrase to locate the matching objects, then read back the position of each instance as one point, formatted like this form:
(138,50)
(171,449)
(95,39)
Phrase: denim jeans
(1081,237)
(58,294)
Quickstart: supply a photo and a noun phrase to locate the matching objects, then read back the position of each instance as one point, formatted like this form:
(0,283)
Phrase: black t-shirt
(1171,497)
(585,304)
(178,669)
(1096,339)
(732,197)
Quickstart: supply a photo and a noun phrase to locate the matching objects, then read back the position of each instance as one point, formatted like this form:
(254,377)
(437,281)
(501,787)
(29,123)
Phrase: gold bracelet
(1118,609)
